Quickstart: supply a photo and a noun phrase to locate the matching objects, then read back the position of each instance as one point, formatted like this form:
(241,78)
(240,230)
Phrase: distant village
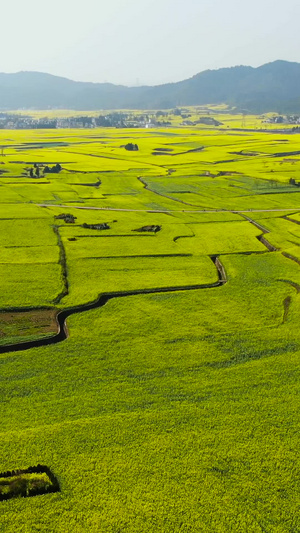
(118,119)
(282,119)
(110,120)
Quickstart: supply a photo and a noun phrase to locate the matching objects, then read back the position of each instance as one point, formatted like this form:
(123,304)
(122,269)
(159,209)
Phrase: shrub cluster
(20,486)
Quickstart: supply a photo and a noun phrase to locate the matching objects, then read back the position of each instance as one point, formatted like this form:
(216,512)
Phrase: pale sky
(139,42)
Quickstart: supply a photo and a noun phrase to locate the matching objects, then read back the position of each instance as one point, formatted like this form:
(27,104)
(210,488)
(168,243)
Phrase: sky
(145,42)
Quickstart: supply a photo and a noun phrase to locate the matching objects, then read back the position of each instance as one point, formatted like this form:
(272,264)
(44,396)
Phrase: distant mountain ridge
(272,87)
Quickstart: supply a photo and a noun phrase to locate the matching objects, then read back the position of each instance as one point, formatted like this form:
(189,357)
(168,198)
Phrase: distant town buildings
(279,119)
(109,120)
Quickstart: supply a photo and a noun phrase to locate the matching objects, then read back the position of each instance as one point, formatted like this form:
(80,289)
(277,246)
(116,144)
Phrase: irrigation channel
(62,316)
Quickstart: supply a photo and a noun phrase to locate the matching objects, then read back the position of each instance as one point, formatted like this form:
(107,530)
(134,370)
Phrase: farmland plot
(149,339)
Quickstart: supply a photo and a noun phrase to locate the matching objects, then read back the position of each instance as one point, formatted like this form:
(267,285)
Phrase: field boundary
(62,316)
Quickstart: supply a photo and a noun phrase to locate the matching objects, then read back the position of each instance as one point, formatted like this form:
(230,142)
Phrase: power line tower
(244,121)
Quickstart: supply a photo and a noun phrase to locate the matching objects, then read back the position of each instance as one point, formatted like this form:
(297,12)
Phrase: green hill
(271,87)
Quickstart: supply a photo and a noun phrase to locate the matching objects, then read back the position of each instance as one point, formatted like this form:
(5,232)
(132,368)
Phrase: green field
(174,407)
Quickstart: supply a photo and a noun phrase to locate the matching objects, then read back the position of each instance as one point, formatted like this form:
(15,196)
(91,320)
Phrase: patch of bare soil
(27,323)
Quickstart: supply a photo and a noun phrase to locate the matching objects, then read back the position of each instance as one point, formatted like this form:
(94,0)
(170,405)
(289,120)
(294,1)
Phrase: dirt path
(264,231)
(233,211)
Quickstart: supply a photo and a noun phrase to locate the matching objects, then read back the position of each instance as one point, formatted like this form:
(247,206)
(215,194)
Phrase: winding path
(62,316)
(264,231)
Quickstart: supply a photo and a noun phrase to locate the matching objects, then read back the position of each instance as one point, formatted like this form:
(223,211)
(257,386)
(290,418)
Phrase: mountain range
(271,87)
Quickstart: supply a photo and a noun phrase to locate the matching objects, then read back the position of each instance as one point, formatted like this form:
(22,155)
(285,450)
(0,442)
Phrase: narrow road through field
(234,211)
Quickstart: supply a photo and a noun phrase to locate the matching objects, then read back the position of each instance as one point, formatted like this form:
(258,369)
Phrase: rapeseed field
(172,405)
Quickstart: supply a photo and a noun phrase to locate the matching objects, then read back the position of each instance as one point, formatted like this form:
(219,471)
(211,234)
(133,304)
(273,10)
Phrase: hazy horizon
(133,85)
(149,42)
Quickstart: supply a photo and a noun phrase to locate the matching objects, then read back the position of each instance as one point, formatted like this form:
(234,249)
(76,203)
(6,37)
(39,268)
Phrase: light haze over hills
(271,87)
